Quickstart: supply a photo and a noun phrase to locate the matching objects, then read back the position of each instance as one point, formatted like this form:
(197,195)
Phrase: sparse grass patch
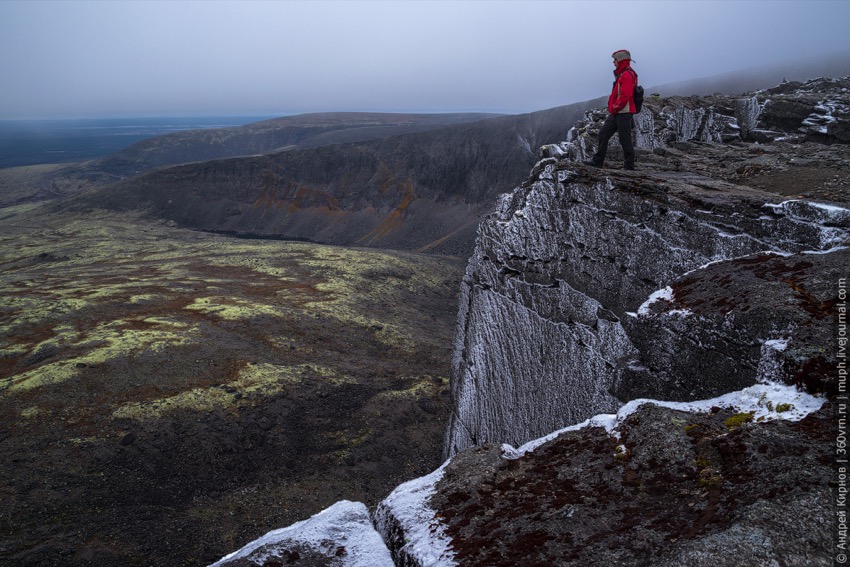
(263,379)
(621,454)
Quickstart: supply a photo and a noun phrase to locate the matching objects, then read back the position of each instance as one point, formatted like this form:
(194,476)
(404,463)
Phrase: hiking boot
(592,163)
(629,167)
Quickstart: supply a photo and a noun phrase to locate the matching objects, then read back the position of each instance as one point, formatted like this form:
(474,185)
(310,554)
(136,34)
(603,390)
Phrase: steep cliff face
(682,281)
(581,293)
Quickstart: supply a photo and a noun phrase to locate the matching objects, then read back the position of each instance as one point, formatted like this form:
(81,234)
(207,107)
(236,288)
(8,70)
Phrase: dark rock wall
(761,317)
(545,326)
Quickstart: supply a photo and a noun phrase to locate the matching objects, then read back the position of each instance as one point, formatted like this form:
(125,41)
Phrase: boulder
(765,317)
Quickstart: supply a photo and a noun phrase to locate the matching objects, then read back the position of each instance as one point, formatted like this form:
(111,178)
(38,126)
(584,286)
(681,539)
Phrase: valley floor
(167,396)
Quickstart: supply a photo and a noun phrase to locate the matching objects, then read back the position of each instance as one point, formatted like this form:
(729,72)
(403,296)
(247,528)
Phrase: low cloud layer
(73,58)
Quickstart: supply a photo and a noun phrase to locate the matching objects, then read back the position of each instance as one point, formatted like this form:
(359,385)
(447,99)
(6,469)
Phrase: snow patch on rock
(765,401)
(406,510)
(663,294)
(344,526)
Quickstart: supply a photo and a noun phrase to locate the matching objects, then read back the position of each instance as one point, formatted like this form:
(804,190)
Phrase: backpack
(638,92)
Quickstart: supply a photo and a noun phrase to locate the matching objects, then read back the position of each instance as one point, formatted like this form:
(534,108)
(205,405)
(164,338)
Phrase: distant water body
(32,142)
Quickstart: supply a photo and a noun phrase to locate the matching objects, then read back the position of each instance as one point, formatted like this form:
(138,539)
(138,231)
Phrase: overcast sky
(75,58)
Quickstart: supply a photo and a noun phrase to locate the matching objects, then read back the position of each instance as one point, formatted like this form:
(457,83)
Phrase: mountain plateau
(713,281)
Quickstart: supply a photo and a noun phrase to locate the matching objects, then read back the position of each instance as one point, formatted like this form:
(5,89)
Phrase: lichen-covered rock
(757,318)
(727,481)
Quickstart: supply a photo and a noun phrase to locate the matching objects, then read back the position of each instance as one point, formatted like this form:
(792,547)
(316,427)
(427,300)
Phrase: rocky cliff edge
(710,281)
(684,280)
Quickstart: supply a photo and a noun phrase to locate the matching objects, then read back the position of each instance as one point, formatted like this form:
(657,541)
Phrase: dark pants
(622,125)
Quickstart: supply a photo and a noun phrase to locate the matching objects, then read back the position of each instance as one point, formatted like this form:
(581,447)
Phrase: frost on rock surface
(479,509)
(760,401)
(339,536)
(747,112)
(410,527)
(562,314)
(545,337)
(818,109)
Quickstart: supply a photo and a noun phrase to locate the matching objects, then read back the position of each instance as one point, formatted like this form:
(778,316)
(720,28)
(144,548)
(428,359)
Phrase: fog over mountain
(80,58)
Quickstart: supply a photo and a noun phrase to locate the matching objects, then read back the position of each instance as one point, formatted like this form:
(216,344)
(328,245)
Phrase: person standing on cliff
(621,109)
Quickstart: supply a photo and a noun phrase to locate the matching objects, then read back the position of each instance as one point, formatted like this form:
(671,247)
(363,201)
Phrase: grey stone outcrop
(555,323)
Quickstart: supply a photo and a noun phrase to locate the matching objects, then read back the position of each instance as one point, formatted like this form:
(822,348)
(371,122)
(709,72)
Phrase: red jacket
(622,99)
